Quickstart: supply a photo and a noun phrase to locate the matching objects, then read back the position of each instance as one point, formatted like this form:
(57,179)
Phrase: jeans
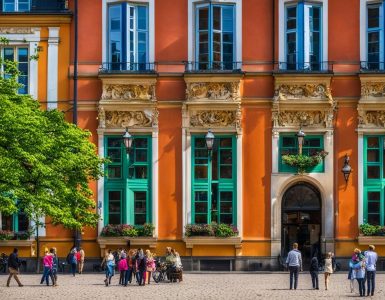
(122,277)
(110,270)
(73,268)
(361,286)
(294,270)
(140,276)
(128,276)
(46,274)
(371,278)
(314,279)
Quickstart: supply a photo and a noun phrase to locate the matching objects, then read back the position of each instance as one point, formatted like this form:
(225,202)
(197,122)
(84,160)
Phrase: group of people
(362,267)
(76,259)
(135,264)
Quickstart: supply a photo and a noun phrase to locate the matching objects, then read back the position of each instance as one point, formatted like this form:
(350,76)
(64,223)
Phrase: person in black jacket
(314,272)
(13,267)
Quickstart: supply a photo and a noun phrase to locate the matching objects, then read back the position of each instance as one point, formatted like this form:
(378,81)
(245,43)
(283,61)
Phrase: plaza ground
(194,286)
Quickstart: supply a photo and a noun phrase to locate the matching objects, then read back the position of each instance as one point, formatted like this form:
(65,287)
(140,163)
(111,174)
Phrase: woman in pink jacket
(122,267)
(48,264)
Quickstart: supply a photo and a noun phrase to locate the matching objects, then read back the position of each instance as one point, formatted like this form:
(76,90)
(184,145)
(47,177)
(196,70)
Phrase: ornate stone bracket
(128,92)
(213,91)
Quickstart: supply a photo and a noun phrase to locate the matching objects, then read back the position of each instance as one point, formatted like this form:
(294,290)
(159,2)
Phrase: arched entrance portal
(301,220)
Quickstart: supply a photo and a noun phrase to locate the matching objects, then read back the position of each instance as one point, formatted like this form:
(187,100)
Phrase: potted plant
(304,162)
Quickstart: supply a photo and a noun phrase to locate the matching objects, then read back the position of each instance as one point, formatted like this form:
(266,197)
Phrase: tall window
(16,222)
(128,182)
(288,144)
(215,41)
(375,36)
(214,181)
(303,36)
(128,36)
(20,55)
(16,5)
(374,180)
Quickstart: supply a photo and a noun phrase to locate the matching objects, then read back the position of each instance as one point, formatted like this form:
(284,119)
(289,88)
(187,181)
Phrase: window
(375,36)
(303,36)
(215,40)
(214,181)
(128,37)
(20,55)
(16,222)
(288,144)
(16,5)
(374,180)
(128,181)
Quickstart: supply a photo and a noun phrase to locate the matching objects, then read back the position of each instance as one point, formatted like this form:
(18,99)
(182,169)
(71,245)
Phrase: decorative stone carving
(128,92)
(122,119)
(213,91)
(102,117)
(298,91)
(301,118)
(16,30)
(214,118)
(371,118)
(373,89)
(238,119)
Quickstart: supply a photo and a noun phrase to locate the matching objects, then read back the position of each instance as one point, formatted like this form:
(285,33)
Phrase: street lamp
(301,137)
(209,140)
(346,169)
(127,140)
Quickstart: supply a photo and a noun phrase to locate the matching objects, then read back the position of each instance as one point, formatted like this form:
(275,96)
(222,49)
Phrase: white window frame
(281,29)
(151,27)
(17,6)
(191,27)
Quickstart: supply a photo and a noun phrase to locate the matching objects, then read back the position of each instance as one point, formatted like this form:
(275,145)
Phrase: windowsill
(303,72)
(38,12)
(125,241)
(212,240)
(367,240)
(17,243)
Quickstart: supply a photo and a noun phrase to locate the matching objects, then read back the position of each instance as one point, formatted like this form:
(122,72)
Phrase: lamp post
(301,138)
(346,169)
(209,140)
(127,140)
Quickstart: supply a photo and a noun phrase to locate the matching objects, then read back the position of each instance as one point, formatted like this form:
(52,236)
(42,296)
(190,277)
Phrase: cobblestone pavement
(194,286)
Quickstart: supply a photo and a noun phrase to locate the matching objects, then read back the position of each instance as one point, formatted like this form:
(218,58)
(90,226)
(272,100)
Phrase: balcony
(324,67)
(213,67)
(114,68)
(372,67)
(34,7)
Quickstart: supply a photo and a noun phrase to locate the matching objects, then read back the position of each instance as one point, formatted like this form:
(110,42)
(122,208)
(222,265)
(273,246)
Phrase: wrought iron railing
(127,67)
(304,67)
(372,67)
(212,67)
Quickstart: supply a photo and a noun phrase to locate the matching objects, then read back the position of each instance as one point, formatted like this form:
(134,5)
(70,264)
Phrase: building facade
(254,73)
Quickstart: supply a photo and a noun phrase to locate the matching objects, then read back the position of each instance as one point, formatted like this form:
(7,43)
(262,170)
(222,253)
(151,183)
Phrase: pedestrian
(178,266)
(355,259)
(47,265)
(170,262)
(328,269)
(122,267)
(130,267)
(314,272)
(81,257)
(73,260)
(371,261)
(359,272)
(109,262)
(13,267)
(141,265)
(150,265)
(294,262)
(55,265)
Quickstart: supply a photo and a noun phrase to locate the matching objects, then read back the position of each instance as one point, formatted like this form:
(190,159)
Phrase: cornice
(35,19)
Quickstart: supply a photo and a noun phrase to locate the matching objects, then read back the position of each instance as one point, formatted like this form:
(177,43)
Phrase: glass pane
(373,155)
(217,18)
(140,219)
(214,202)
(7,222)
(201,219)
(200,207)
(114,155)
(141,155)
(228,16)
(8,54)
(201,196)
(226,172)
(114,142)
(226,142)
(140,196)
(227,196)
(114,195)
(200,143)
(226,218)
(312,143)
(200,172)
(374,219)
(374,196)
(373,172)
(226,207)
(203,18)
(288,141)
(226,156)
(373,16)
(141,172)
(214,165)
(203,153)
(374,207)
(114,219)
(114,172)
(142,18)
(140,143)
(291,22)
(23,222)
(373,142)
(140,207)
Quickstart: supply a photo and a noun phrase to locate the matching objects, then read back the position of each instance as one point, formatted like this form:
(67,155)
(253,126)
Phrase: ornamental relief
(371,119)
(298,91)
(213,91)
(122,119)
(214,118)
(303,118)
(128,92)
(16,30)
(373,89)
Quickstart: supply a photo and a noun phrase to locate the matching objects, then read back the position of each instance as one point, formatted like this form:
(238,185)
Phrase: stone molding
(128,92)
(213,91)
(16,30)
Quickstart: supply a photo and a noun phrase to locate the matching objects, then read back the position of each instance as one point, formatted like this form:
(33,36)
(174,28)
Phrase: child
(122,267)
(328,269)
(314,272)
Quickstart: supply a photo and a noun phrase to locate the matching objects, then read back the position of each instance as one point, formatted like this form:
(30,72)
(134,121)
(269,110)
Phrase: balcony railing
(372,67)
(304,67)
(213,67)
(37,6)
(126,67)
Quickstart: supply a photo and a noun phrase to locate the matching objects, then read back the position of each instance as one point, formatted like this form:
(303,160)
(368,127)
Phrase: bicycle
(160,273)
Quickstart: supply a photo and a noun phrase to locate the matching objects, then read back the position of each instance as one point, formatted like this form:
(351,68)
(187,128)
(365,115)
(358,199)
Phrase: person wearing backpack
(314,272)
(141,266)
(73,261)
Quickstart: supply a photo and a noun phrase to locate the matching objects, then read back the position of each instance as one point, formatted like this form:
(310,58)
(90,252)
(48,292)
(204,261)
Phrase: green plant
(131,232)
(213,229)
(224,230)
(118,230)
(146,230)
(371,230)
(303,162)
(6,235)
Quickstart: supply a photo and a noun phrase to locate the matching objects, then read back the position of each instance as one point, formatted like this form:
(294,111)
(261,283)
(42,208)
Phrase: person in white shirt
(294,262)
(371,260)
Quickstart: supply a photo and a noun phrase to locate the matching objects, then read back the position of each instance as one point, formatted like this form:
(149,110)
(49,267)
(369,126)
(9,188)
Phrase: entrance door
(301,220)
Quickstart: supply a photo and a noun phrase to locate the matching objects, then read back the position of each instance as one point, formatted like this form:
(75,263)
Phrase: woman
(150,264)
(328,269)
(73,260)
(359,273)
(47,264)
(355,259)
(109,261)
(141,265)
(55,264)
(130,267)
(122,267)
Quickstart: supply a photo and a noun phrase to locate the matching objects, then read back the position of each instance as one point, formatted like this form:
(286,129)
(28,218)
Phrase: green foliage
(213,229)
(6,235)
(46,163)
(131,232)
(303,162)
(371,230)
(111,230)
(146,230)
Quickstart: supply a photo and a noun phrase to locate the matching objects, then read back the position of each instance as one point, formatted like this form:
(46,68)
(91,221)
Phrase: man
(82,255)
(13,267)
(294,262)
(371,260)
(170,262)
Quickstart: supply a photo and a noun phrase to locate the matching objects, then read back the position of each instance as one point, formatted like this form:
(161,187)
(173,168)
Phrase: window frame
(381,33)
(16,49)
(17,6)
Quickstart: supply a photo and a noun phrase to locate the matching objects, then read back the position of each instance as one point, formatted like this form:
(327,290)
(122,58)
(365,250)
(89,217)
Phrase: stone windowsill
(17,243)
(124,240)
(367,240)
(211,240)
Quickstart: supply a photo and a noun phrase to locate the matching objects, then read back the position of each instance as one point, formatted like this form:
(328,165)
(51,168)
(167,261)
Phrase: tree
(46,163)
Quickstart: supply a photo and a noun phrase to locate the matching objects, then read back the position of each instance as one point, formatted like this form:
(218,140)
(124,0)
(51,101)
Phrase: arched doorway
(301,220)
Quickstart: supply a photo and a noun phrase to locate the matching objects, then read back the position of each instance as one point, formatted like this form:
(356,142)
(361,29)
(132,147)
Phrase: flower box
(214,241)
(371,240)
(124,241)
